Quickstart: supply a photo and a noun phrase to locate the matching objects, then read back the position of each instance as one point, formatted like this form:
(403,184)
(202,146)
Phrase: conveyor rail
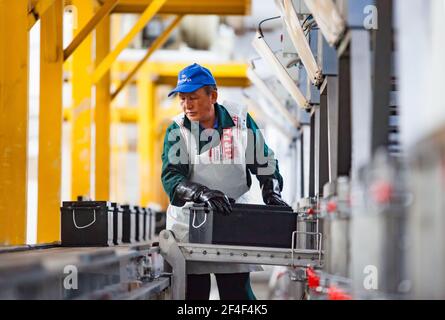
(177,254)
(98,269)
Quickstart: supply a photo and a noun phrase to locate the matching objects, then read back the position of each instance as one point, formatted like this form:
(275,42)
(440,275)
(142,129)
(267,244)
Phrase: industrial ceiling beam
(104,10)
(226,74)
(146,16)
(160,40)
(121,114)
(218,7)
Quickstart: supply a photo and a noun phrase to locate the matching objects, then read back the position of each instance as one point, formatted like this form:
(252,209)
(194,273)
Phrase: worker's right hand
(187,191)
(216,200)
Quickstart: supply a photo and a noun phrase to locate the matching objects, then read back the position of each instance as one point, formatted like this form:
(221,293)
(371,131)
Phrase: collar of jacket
(224,119)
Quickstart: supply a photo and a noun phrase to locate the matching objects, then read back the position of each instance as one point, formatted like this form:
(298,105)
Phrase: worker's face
(198,105)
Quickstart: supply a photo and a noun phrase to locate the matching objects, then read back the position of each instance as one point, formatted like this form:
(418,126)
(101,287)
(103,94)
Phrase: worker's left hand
(274,200)
(272,194)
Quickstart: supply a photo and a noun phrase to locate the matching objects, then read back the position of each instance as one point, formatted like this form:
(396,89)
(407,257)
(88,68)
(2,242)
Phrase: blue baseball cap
(192,78)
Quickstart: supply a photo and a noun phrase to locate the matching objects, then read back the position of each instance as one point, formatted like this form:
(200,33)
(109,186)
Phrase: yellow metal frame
(226,74)
(13,120)
(38,9)
(156,45)
(104,10)
(16,18)
(217,7)
(122,114)
(233,74)
(146,16)
(50,124)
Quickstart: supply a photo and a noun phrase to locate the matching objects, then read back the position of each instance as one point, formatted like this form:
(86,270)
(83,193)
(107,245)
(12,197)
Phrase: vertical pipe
(14,48)
(81,119)
(50,124)
(102,115)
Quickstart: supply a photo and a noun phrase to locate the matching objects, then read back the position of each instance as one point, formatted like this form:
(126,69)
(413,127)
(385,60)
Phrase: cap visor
(186,88)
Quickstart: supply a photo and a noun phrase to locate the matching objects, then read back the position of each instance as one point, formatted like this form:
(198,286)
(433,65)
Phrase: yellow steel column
(146,135)
(102,115)
(81,120)
(50,123)
(14,48)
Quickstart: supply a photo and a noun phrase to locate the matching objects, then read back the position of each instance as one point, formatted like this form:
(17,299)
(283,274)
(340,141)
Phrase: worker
(212,172)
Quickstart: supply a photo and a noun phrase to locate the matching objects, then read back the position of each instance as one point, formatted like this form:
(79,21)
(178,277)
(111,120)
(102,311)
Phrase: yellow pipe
(102,116)
(222,70)
(14,47)
(104,10)
(82,113)
(50,124)
(105,65)
(122,114)
(226,74)
(216,7)
(155,45)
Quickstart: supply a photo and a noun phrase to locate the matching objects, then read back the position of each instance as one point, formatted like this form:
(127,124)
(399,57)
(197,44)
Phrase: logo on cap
(184,79)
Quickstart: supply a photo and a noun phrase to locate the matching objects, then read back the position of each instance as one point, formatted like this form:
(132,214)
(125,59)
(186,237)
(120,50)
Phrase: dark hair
(210,88)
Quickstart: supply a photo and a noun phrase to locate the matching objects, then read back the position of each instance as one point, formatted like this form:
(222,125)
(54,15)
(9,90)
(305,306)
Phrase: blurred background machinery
(347,93)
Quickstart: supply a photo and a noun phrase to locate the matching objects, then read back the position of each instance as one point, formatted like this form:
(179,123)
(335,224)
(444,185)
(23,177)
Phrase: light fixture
(271,97)
(300,41)
(266,53)
(328,19)
(261,112)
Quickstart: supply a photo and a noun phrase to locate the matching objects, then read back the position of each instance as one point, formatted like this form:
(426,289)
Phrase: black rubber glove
(191,191)
(272,194)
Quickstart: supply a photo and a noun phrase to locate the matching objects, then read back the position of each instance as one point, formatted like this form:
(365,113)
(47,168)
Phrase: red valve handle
(382,192)
(313,279)
(331,206)
(335,293)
